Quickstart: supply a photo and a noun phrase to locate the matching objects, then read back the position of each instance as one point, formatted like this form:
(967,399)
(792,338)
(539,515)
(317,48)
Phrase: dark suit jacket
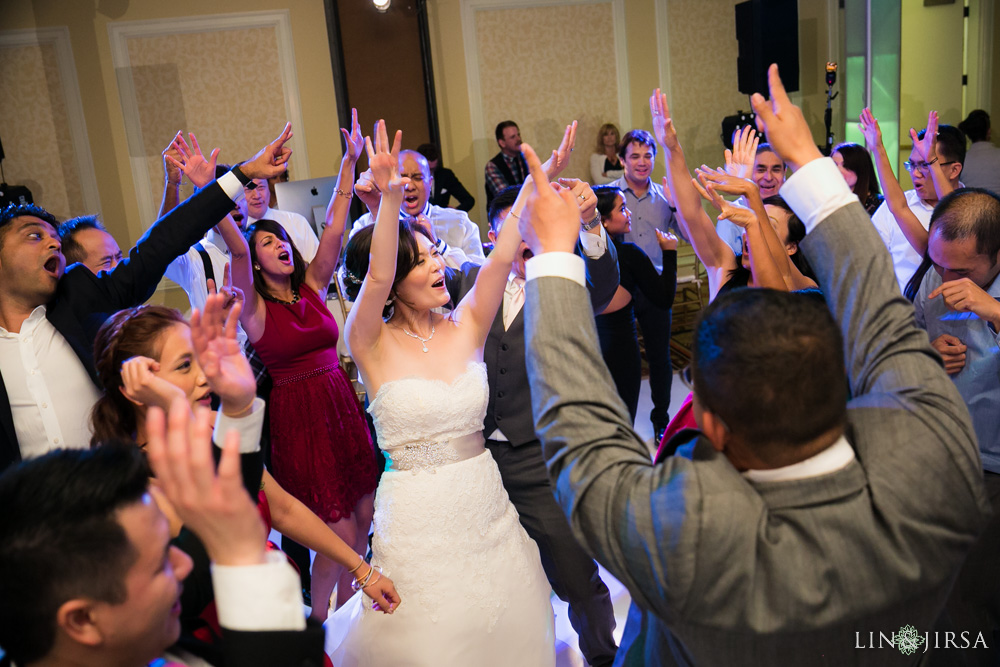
(84,301)
(510,398)
(727,571)
(446,186)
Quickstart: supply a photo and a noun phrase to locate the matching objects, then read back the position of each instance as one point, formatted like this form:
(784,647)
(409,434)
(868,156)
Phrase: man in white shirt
(950,149)
(88,573)
(49,315)
(455,235)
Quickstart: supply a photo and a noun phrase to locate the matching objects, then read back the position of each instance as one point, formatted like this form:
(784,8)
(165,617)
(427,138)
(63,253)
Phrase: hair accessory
(351,278)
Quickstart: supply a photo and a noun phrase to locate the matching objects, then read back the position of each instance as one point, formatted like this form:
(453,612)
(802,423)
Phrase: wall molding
(121,31)
(59,38)
(482,136)
(663,47)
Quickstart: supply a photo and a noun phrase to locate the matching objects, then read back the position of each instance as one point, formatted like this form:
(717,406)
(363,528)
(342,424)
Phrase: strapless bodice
(418,412)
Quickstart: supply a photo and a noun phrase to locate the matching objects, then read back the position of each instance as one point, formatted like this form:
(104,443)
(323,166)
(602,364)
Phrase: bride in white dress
(470,579)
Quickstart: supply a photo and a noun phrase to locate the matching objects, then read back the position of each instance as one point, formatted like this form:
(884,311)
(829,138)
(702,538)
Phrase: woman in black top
(616,324)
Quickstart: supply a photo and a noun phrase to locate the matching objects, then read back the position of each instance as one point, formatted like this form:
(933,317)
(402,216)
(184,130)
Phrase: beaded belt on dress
(322,370)
(428,454)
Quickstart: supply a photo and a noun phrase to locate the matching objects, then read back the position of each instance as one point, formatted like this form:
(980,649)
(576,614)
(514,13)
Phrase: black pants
(571,571)
(620,349)
(655,325)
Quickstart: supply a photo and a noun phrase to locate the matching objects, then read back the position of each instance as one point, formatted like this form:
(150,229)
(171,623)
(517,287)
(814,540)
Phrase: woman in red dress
(321,449)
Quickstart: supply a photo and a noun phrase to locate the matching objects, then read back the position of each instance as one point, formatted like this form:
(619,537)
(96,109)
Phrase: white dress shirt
(50,392)
(905,260)
(298,228)
(460,234)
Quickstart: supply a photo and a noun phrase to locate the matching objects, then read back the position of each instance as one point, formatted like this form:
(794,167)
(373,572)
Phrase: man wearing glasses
(454,234)
(950,151)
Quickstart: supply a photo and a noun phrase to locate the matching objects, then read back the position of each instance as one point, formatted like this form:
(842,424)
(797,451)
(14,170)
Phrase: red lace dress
(321,450)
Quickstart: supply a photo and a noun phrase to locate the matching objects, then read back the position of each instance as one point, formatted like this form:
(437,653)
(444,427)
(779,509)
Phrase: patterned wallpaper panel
(192,82)
(565,75)
(34,126)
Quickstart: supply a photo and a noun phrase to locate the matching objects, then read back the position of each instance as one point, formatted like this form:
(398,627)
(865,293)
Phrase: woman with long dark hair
(616,323)
(856,166)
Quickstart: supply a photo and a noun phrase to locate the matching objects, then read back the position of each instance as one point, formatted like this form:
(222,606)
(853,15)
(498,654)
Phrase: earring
(256,267)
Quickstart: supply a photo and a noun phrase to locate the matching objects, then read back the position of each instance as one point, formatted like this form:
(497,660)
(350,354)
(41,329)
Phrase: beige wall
(700,41)
(88,22)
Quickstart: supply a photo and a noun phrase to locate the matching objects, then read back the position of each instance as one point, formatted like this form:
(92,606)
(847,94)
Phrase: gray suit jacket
(724,571)
(509,406)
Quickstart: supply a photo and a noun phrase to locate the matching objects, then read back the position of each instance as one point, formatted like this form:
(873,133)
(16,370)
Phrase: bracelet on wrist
(355,569)
(587,226)
(345,195)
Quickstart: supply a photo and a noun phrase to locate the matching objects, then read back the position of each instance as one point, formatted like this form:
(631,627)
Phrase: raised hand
(560,157)
(963,295)
(663,124)
(925,146)
(192,161)
(354,142)
(586,200)
(738,215)
(367,191)
(952,352)
(142,386)
(784,124)
(271,160)
(232,295)
(869,128)
(226,369)
(384,161)
(723,182)
(550,221)
(739,161)
(171,171)
(212,504)
(666,240)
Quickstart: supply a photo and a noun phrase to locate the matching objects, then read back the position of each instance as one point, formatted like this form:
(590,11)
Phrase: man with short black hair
(949,150)
(49,315)
(507,167)
(796,522)
(89,576)
(85,240)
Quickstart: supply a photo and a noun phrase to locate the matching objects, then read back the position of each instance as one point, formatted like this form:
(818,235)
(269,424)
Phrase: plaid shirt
(495,180)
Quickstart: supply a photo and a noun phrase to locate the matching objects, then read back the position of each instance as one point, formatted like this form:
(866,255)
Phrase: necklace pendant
(425,348)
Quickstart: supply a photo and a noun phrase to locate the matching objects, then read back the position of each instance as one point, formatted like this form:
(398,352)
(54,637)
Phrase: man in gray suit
(799,525)
(510,430)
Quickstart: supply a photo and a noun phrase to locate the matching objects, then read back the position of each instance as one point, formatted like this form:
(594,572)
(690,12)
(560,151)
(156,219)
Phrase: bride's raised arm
(364,323)
(479,307)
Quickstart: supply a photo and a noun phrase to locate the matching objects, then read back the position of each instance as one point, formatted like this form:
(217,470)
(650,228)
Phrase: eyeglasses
(923,166)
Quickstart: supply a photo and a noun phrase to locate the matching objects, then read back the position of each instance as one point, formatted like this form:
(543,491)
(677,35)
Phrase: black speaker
(767,32)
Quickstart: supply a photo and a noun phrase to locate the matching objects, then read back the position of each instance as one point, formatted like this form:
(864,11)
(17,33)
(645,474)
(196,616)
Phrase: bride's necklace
(423,341)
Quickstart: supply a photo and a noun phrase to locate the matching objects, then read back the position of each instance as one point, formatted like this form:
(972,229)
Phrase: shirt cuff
(250,427)
(594,245)
(557,264)
(258,597)
(231,186)
(815,191)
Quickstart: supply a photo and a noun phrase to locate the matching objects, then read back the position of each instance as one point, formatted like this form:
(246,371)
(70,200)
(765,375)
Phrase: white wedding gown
(471,582)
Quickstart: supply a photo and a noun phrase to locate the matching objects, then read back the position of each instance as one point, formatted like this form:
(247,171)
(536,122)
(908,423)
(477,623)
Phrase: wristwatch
(587,226)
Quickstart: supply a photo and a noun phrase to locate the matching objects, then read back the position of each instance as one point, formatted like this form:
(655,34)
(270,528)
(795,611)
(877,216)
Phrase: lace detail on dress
(418,411)
(422,456)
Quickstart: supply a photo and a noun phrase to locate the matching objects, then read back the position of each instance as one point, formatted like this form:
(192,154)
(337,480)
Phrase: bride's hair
(135,332)
(357,253)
